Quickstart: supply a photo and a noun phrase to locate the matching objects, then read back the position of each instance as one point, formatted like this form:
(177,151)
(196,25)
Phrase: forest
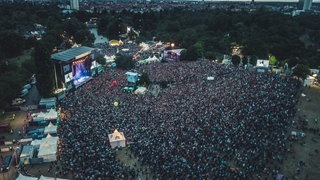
(208,33)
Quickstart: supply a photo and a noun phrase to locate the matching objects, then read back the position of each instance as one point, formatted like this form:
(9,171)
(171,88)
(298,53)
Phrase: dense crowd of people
(231,126)
(134,50)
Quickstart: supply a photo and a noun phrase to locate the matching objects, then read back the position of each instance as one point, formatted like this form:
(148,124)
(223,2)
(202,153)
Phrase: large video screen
(172,55)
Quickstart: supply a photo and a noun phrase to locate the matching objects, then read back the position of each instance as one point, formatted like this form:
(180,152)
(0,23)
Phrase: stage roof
(70,54)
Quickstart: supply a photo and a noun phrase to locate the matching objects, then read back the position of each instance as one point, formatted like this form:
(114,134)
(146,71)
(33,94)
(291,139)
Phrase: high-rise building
(307,4)
(74,4)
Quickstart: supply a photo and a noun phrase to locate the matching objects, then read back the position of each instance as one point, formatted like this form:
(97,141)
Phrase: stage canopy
(48,148)
(71,54)
(117,139)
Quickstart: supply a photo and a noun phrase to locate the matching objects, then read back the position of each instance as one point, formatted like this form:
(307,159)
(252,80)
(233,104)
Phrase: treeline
(207,33)
(17,20)
(261,33)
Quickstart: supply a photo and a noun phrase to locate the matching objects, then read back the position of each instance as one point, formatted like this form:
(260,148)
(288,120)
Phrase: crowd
(229,127)
(131,49)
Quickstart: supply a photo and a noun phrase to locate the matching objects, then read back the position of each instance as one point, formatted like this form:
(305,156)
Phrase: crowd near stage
(73,67)
(234,126)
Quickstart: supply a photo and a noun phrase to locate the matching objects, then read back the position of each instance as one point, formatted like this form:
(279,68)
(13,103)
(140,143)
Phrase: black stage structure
(72,67)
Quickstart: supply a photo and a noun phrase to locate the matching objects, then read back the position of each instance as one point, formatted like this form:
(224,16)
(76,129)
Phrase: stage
(81,81)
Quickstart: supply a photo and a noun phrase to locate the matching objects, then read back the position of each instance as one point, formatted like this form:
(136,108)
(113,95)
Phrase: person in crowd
(230,127)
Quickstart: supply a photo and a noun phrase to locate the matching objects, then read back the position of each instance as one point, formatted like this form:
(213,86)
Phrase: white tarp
(46,178)
(49,178)
(22,177)
(117,139)
(149,60)
(50,115)
(308,81)
(50,128)
(140,90)
(48,148)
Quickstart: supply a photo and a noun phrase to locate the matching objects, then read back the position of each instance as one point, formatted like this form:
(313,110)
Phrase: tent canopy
(22,177)
(50,128)
(116,136)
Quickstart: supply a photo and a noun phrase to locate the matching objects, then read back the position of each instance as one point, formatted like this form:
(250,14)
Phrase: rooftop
(70,54)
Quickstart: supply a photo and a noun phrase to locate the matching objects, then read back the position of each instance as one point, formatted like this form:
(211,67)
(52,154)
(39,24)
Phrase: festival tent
(50,115)
(114,43)
(22,177)
(36,143)
(48,148)
(140,90)
(27,152)
(308,81)
(42,177)
(117,139)
(50,128)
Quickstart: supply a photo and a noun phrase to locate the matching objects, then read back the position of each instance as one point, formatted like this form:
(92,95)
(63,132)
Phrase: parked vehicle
(18,101)
(6,163)
(5,128)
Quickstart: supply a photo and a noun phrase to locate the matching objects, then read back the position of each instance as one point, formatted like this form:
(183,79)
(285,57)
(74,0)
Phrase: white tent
(48,148)
(117,139)
(50,115)
(140,90)
(50,128)
(27,152)
(22,177)
(308,81)
(42,177)
(36,143)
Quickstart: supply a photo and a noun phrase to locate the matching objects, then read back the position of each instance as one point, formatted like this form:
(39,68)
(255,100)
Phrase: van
(6,163)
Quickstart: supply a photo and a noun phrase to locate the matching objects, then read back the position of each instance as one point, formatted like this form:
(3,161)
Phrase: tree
(84,37)
(144,79)
(11,44)
(292,62)
(253,60)
(124,62)
(192,53)
(301,71)
(44,71)
(235,59)
(245,60)
(272,60)
(100,59)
